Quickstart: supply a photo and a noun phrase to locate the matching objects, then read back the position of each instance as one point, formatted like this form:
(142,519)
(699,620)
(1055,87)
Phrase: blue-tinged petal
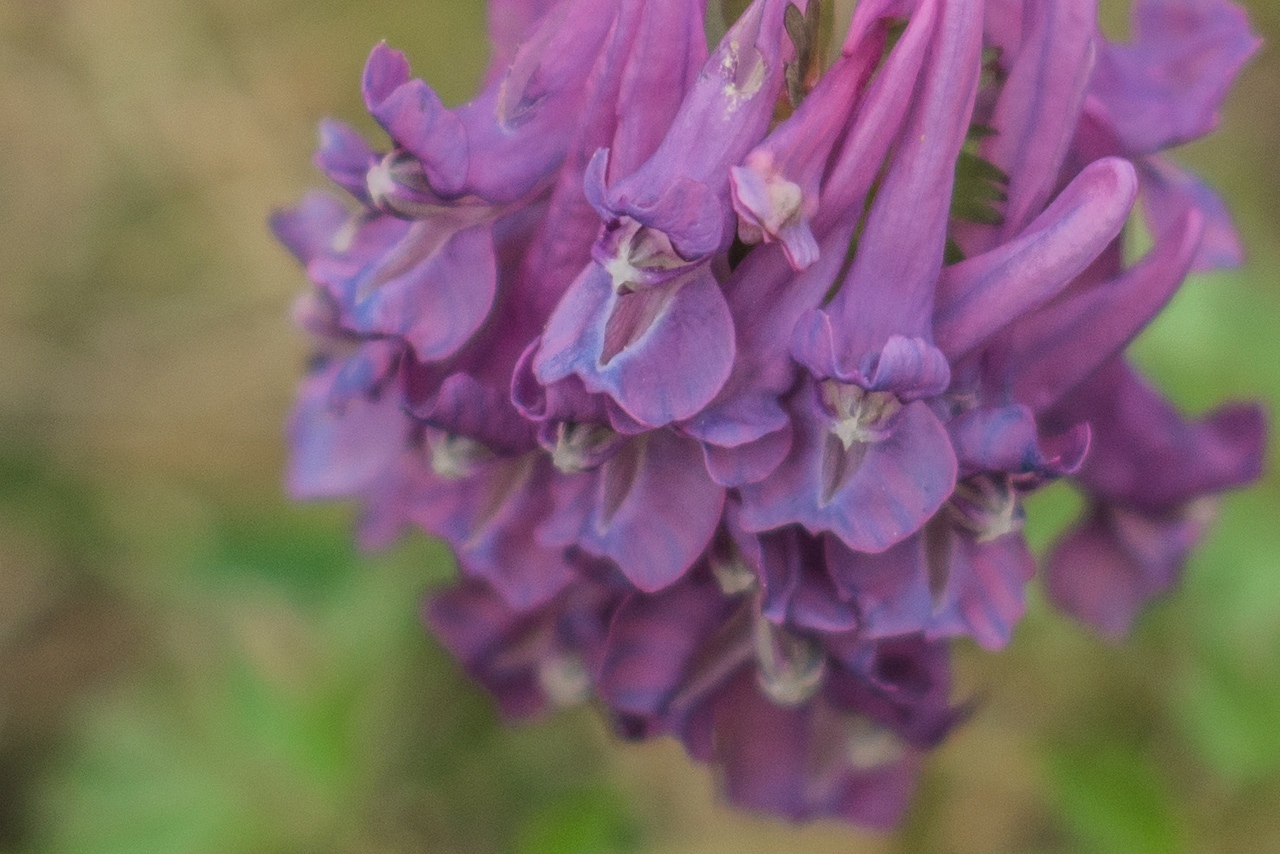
(871,494)
(770,209)
(651,508)
(469,619)
(366,371)
(562,401)
(309,228)
(983,592)
(358,251)
(465,406)
(346,158)
(686,210)
(890,589)
(1007,439)
(911,368)
(743,418)
(490,517)
(751,462)
(439,301)
(903,683)
(661,353)
(337,453)
(653,642)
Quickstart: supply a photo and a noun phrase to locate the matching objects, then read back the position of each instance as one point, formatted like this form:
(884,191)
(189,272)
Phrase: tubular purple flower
(965,572)
(1053,350)
(1039,107)
(872,462)
(888,292)
(980,295)
(872,492)
(413,116)
(677,202)
(650,507)
(530,661)
(650,306)
(341,452)
(776,191)
(490,513)
(745,429)
(1150,479)
(798,727)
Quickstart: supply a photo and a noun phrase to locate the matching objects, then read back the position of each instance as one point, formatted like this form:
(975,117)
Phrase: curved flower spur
(724,369)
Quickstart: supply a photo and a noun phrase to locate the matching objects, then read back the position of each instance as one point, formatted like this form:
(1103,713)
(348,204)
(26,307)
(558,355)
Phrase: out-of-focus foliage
(188,664)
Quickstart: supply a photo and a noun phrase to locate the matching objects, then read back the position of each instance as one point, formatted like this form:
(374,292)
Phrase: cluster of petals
(723,395)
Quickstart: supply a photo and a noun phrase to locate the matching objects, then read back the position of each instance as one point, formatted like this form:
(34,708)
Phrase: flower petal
(876,501)
(1054,350)
(653,641)
(661,353)
(651,508)
(1167,86)
(337,454)
(982,294)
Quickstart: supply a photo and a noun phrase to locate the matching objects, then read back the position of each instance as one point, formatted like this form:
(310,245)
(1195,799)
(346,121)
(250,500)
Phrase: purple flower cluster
(724,372)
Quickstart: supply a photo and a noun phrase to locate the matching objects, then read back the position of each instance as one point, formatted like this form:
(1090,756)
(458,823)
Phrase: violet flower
(1151,481)
(724,370)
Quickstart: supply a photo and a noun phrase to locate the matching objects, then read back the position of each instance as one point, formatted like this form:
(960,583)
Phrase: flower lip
(564,679)
(870,744)
(637,256)
(859,416)
(790,667)
(583,447)
(986,505)
(456,457)
(732,572)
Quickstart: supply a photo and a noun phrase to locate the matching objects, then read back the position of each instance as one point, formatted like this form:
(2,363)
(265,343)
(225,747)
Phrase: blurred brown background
(190,664)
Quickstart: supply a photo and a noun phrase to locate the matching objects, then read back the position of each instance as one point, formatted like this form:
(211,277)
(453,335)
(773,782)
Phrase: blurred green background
(190,664)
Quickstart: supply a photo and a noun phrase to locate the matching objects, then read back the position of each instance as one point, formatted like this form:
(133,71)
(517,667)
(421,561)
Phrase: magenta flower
(724,369)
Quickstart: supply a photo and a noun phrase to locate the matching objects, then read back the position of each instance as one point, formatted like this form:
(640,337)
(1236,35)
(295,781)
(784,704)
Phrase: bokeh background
(190,664)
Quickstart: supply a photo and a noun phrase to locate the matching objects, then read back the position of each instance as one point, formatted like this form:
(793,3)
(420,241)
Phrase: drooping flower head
(724,369)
